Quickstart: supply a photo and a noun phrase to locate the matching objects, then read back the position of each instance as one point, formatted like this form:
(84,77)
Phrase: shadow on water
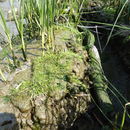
(118,82)
(117,76)
(8,122)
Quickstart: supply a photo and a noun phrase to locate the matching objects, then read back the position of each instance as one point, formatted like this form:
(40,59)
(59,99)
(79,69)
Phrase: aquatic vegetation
(39,16)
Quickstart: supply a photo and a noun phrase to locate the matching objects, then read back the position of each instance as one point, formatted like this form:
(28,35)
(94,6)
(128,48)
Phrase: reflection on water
(5,6)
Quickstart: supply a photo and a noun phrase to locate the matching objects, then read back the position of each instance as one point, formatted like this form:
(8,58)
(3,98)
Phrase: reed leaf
(19,25)
(7,32)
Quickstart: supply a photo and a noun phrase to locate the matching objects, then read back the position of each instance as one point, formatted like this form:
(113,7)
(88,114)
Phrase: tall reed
(8,35)
(46,20)
(19,21)
(41,14)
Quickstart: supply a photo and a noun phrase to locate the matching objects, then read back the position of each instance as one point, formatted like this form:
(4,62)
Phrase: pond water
(5,7)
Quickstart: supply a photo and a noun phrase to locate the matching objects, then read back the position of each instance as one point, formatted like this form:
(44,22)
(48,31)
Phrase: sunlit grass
(41,14)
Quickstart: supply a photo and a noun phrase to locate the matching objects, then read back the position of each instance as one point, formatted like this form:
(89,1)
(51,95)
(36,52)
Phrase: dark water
(119,78)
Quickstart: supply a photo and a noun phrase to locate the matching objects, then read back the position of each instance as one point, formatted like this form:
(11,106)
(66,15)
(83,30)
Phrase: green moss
(68,32)
(49,73)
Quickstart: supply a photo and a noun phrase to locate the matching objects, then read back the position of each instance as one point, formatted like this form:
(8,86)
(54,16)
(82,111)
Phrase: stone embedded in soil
(51,112)
(22,102)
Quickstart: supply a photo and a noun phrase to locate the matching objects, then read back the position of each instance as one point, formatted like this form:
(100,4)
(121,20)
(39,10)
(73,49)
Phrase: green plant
(119,14)
(19,21)
(7,32)
(49,73)
(70,10)
(124,115)
(32,27)
(41,14)
(125,12)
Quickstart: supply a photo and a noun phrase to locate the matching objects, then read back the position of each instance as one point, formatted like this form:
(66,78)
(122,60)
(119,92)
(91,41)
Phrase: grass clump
(49,73)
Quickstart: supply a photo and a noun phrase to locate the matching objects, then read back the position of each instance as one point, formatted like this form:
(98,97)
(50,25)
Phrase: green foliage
(8,35)
(41,16)
(116,7)
(50,74)
(124,115)
(125,12)
(19,25)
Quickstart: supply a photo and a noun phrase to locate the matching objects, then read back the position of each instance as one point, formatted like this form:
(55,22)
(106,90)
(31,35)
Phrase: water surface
(5,7)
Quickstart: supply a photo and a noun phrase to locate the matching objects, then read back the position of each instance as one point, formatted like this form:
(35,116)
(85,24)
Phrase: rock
(40,110)
(10,16)
(22,102)
(61,113)
(8,116)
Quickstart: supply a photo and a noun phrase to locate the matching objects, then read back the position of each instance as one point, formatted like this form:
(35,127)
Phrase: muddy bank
(53,110)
